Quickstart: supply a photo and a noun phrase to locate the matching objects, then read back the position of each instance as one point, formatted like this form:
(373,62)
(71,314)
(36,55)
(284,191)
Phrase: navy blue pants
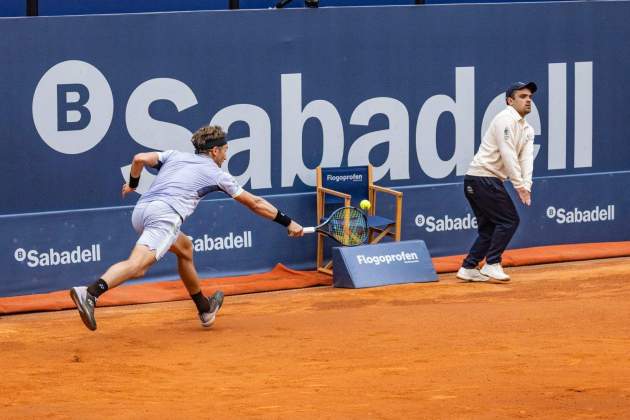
(496,215)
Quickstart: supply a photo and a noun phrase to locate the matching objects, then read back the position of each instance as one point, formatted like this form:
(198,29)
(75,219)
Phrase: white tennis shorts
(158,225)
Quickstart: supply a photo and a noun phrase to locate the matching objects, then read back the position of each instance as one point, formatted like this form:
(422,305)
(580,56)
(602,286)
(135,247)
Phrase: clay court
(553,343)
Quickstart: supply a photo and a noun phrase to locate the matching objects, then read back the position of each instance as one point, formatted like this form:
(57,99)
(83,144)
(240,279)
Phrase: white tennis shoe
(216,301)
(494,271)
(470,274)
(85,303)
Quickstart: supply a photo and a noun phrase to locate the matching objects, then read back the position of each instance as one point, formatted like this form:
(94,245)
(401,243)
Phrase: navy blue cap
(520,85)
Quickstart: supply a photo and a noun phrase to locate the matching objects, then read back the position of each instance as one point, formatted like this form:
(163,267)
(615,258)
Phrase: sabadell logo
(445,223)
(577,215)
(52,257)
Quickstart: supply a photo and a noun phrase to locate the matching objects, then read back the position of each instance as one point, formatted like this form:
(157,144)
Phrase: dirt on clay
(552,343)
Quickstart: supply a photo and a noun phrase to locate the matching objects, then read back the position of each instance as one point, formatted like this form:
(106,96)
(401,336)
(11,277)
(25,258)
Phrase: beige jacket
(507,150)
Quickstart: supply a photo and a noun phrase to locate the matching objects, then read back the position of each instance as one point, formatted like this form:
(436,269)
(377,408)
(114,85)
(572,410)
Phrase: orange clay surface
(553,343)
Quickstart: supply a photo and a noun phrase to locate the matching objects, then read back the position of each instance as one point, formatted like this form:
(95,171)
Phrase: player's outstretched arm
(139,161)
(264,208)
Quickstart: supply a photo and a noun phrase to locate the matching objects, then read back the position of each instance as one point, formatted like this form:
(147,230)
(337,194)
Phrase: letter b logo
(72,107)
(65,107)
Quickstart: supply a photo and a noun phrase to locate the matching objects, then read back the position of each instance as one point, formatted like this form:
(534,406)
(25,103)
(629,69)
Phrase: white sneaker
(216,301)
(495,271)
(470,274)
(85,303)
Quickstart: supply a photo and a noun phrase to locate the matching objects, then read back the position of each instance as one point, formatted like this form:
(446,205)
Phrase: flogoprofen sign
(382,264)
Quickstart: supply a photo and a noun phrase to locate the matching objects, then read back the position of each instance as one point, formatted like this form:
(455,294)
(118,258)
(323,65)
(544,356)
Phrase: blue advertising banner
(82,7)
(382,264)
(13,8)
(393,86)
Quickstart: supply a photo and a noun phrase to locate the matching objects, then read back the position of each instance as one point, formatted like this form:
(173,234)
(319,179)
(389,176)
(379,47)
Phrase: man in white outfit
(506,152)
(182,181)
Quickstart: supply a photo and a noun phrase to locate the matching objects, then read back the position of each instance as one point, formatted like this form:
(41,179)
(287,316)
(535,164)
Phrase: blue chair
(338,187)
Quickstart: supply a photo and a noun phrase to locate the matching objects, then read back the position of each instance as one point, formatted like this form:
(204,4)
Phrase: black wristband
(133,181)
(283,219)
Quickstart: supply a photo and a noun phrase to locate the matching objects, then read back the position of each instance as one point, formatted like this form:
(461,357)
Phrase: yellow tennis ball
(365,204)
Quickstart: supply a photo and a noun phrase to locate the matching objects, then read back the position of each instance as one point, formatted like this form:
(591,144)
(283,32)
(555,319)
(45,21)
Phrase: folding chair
(338,187)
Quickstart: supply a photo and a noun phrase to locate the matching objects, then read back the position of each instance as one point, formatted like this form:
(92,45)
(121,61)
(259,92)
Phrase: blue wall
(83,7)
(298,89)
(13,8)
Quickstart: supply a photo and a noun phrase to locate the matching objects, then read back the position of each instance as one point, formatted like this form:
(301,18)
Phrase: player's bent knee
(183,247)
(185,243)
(187,255)
(141,271)
(138,268)
(187,249)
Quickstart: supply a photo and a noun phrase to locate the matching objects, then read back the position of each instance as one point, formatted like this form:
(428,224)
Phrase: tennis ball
(365,205)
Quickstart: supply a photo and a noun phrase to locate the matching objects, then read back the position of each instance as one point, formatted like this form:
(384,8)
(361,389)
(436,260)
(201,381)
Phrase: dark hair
(208,137)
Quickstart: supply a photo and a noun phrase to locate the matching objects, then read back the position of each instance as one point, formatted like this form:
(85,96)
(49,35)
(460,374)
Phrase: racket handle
(309,230)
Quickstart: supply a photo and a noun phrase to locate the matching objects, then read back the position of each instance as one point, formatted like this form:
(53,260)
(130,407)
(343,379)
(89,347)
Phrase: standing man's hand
(525,196)
(126,189)
(295,229)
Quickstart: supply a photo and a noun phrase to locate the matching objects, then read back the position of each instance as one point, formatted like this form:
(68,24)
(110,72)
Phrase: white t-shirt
(185,178)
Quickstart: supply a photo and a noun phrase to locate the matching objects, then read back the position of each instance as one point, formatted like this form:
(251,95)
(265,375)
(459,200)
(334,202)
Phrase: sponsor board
(35,258)
(402,257)
(382,264)
(94,105)
(345,178)
(230,241)
(83,105)
(577,215)
(445,223)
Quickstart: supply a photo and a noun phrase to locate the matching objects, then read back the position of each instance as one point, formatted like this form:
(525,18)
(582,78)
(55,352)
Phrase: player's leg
(207,307)
(159,225)
(139,261)
(84,297)
(503,214)
(183,249)
(477,193)
(485,230)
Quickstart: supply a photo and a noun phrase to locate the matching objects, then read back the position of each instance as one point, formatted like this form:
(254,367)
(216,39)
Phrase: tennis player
(182,181)
(506,152)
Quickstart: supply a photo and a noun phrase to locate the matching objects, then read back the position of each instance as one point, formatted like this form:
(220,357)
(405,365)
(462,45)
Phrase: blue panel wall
(13,8)
(296,90)
(83,7)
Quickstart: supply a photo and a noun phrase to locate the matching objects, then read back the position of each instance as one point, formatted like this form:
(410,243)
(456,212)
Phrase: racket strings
(348,227)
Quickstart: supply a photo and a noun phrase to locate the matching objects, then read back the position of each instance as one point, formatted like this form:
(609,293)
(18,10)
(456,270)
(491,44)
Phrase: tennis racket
(346,225)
